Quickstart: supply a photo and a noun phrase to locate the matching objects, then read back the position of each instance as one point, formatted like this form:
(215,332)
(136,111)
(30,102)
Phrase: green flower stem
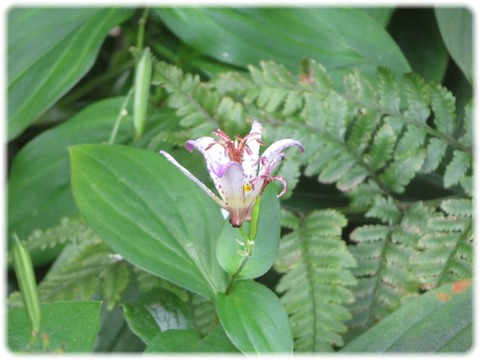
(141,32)
(123,112)
(248,242)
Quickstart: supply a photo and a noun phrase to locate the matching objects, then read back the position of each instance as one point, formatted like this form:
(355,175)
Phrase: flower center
(234,149)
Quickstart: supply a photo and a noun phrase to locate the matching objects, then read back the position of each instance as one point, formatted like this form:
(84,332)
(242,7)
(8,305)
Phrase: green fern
(93,266)
(69,230)
(199,107)
(85,268)
(372,140)
(315,286)
(446,247)
(203,312)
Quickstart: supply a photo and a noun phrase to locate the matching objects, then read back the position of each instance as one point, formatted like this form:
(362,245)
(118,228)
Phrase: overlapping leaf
(150,213)
(40,71)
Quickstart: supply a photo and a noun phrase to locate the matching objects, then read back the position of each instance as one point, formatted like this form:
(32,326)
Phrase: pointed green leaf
(255,319)
(150,213)
(44,63)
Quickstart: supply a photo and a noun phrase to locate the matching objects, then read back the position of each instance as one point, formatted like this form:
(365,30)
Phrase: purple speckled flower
(237,171)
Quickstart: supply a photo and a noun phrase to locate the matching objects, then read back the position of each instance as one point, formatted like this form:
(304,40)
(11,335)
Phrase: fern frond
(79,276)
(457,168)
(383,254)
(69,230)
(203,312)
(315,286)
(115,280)
(200,107)
(446,245)
(289,220)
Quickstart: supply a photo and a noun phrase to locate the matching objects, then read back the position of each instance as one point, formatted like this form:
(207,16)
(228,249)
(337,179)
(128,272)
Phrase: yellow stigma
(247,187)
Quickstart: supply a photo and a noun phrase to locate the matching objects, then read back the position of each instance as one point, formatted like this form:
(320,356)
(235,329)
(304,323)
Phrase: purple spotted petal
(250,161)
(274,153)
(231,189)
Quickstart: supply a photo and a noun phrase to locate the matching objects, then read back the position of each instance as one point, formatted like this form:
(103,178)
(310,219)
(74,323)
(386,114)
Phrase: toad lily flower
(239,174)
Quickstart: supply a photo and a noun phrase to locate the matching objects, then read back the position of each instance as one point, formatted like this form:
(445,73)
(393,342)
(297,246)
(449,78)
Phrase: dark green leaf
(156,311)
(174,341)
(339,38)
(150,213)
(190,341)
(70,327)
(44,63)
(427,53)
(255,319)
(438,321)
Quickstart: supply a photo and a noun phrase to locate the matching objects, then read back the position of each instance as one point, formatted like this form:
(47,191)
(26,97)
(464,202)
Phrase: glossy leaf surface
(255,319)
(150,213)
(156,311)
(339,38)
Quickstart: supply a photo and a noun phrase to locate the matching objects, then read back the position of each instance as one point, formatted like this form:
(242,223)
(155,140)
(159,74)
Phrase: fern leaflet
(315,261)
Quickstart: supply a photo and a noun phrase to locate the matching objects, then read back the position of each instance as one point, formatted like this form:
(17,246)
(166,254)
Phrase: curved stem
(248,253)
(121,115)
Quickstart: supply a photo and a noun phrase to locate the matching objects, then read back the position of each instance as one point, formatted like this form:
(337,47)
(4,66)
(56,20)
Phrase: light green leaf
(39,193)
(70,327)
(339,38)
(156,311)
(457,168)
(438,321)
(456,27)
(44,63)
(254,319)
(150,213)
(266,244)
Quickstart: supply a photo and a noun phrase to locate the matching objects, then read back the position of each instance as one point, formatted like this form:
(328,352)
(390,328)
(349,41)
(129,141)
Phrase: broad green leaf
(456,27)
(339,38)
(190,341)
(438,321)
(146,210)
(255,319)
(44,63)
(70,326)
(156,311)
(266,243)
(39,193)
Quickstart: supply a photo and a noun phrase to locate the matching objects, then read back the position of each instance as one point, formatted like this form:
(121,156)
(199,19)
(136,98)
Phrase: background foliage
(377,219)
